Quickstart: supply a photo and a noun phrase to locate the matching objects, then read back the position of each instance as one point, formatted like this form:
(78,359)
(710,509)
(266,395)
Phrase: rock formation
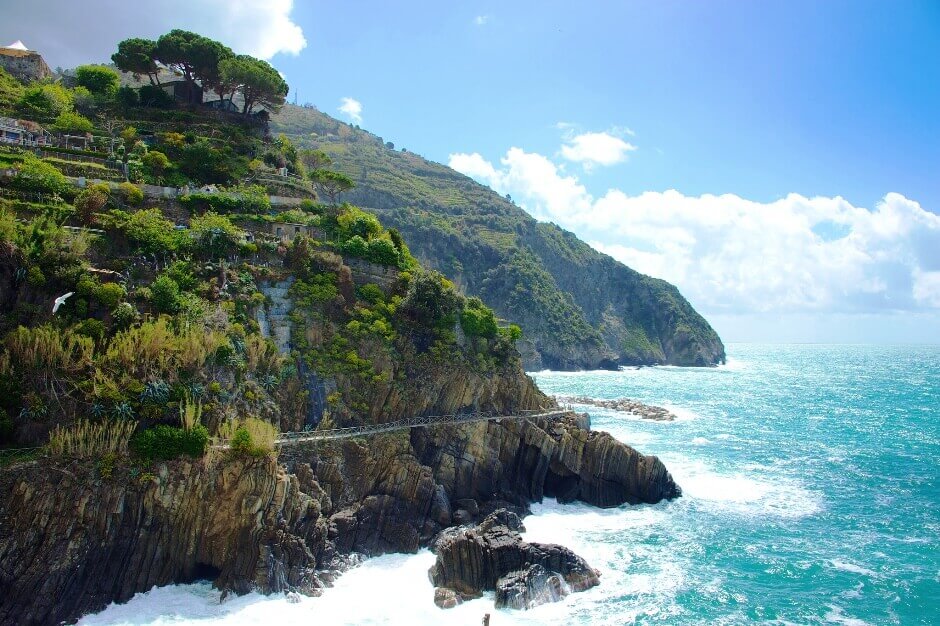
(493,557)
(72,540)
(626,405)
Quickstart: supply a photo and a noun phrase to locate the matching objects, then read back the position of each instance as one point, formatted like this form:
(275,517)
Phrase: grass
(86,439)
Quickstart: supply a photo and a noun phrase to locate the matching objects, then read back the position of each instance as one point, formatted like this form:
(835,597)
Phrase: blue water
(811,497)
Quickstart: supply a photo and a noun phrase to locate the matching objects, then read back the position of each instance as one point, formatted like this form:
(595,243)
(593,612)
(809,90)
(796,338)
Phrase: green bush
(69,122)
(35,175)
(98,79)
(154,96)
(151,231)
(91,328)
(477,319)
(45,100)
(131,194)
(91,201)
(355,246)
(163,443)
(124,315)
(382,251)
(109,294)
(127,97)
(165,294)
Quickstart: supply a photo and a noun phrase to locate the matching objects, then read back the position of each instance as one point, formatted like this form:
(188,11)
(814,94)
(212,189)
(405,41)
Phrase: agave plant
(156,392)
(195,389)
(269,382)
(122,410)
(97,410)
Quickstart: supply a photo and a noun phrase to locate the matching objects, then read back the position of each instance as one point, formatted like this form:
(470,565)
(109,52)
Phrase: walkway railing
(414,422)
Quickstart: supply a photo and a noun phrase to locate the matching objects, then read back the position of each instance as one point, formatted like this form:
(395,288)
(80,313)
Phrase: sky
(777,161)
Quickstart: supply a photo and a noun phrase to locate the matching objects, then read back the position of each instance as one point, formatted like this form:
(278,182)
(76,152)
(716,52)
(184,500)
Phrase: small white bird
(60,301)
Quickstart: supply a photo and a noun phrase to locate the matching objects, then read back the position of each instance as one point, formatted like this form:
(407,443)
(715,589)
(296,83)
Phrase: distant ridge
(579,308)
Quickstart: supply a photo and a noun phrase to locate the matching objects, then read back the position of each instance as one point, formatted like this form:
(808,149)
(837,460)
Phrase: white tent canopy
(17,45)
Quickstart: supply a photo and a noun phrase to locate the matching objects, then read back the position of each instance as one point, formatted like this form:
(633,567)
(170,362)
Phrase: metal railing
(414,422)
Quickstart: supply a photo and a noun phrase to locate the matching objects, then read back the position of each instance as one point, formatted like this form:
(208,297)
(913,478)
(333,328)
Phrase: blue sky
(778,161)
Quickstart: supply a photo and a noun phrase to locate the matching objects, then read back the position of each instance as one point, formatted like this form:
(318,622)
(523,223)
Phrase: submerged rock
(494,557)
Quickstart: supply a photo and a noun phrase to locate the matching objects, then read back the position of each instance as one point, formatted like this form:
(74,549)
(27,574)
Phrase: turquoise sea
(811,496)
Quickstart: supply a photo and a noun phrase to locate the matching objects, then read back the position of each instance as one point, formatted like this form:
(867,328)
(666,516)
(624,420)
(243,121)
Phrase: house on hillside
(23,133)
(180,90)
(23,63)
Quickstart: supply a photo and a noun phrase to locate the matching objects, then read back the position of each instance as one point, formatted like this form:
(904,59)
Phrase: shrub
(45,100)
(35,175)
(98,79)
(127,97)
(70,122)
(214,235)
(131,194)
(151,231)
(250,436)
(371,293)
(91,328)
(165,294)
(124,315)
(154,96)
(355,246)
(431,299)
(163,443)
(477,319)
(87,439)
(156,163)
(91,201)
(382,251)
(109,294)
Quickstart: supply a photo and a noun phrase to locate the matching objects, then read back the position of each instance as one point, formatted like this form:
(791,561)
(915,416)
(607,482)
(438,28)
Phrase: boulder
(493,557)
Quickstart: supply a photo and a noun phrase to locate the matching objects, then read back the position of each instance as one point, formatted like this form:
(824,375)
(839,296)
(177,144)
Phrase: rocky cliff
(73,539)
(580,309)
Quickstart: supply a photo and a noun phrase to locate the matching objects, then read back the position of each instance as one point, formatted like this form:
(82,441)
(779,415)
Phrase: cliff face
(580,309)
(73,541)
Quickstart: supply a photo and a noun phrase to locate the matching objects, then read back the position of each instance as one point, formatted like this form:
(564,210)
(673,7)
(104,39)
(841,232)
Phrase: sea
(811,495)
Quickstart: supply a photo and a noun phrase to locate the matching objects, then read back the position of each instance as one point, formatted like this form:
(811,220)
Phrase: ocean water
(811,496)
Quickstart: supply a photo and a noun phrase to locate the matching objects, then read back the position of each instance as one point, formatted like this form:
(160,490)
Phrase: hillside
(578,308)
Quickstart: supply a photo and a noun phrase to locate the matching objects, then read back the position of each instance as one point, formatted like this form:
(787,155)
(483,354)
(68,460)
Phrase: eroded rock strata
(71,541)
(493,557)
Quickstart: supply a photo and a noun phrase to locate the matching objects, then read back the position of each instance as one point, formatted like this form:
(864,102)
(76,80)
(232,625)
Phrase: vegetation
(87,439)
(579,307)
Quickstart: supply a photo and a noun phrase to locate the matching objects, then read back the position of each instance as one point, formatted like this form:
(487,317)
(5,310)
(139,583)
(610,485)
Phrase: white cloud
(480,20)
(730,254)
(351,108)
(261,28)
(592,149)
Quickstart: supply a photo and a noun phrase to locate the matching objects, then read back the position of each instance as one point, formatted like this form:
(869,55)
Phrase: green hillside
(579,308)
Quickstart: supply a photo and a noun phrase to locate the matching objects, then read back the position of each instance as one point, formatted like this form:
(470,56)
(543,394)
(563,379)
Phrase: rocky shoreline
(492,556)
(625,405)
(72,541)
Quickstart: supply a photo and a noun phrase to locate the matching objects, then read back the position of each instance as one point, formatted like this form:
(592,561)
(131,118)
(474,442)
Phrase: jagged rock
(447,598)
(494,557)
(626,405)
(71,543)
(529,587)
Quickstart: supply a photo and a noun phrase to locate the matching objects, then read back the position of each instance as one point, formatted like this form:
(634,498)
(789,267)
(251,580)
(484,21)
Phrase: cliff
(73,540)
(580,309)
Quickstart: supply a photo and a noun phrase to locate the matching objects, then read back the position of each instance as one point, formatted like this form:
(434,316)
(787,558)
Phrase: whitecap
(682,414)
(851,567)
(753,493)
(836,615)
(700,441)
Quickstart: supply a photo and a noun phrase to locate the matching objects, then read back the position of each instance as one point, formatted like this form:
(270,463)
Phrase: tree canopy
(192,55)
(331,184)
(260,83)
(139,57)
